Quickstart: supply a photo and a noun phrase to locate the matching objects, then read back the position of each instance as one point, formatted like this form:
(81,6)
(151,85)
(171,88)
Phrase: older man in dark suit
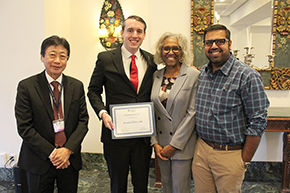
(52,120)
(115,70)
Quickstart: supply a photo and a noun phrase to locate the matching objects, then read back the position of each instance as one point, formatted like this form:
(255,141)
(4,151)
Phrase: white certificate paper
(133,120)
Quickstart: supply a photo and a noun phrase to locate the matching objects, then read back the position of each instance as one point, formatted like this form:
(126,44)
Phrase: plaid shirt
(230,103)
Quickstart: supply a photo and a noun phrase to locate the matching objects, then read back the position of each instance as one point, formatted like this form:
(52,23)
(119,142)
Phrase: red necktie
(134,73)
(59,136)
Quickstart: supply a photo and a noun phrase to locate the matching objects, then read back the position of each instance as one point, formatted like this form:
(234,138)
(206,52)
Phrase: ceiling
(227,7)
(246,12)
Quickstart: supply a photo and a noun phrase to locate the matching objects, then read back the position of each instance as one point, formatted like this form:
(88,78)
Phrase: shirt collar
(50,79)
(128,54)
(225,69)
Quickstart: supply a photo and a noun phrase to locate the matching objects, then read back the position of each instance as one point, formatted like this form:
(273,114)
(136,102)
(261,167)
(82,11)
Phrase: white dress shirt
(140,63)
(59,80)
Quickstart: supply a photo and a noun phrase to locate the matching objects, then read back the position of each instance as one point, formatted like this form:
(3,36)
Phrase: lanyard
(57,103)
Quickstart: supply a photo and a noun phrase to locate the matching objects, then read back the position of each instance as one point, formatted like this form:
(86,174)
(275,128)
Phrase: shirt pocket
(227,101)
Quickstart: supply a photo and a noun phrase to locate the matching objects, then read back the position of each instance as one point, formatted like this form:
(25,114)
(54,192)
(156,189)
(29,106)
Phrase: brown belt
(223,147)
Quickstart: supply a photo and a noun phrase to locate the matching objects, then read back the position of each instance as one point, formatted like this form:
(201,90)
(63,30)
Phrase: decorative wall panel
(201,17)
(280,74)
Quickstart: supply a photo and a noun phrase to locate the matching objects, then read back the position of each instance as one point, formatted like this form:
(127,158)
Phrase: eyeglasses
(53,56)
(175,49)
(218,42)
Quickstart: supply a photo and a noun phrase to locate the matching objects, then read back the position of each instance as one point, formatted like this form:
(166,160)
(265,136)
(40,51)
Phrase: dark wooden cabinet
(279,121)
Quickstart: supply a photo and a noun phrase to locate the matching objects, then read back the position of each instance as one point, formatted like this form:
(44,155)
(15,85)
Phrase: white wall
(24,24)
(22,30)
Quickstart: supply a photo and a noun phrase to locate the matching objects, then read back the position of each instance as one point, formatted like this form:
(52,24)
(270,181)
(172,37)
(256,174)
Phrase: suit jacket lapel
(156,89)
(118,62)
(149,71)
(43,91)
(68,93)
(181,77)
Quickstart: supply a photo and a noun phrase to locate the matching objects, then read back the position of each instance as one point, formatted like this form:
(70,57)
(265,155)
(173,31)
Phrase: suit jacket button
(171,133)
(160,132)
(158,118)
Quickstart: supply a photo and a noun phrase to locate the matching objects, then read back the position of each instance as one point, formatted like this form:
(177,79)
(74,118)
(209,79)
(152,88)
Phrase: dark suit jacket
(109,72)
(34,115)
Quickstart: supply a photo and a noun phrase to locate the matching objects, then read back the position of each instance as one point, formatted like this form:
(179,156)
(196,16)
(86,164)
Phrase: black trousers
(66,180)
(122,158)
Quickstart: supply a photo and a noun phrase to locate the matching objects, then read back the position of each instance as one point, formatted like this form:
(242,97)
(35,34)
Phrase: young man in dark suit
(52,120)
(113,72)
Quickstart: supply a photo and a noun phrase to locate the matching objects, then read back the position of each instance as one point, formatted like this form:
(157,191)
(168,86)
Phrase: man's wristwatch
(247,164)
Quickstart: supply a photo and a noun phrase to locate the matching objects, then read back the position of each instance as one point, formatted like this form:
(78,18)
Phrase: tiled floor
(97,181)
(94,177)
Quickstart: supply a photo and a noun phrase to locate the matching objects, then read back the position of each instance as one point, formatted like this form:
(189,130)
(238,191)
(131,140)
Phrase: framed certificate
(133,120)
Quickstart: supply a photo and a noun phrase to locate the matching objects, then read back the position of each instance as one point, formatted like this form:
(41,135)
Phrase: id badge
(58,125)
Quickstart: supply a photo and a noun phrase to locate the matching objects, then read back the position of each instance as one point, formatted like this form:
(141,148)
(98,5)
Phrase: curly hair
(183,43)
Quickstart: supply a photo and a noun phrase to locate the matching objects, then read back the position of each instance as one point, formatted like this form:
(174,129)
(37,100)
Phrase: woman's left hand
(158,149)
(167,151)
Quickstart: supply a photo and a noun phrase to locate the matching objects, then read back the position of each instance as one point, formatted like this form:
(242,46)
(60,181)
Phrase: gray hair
(182,41)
